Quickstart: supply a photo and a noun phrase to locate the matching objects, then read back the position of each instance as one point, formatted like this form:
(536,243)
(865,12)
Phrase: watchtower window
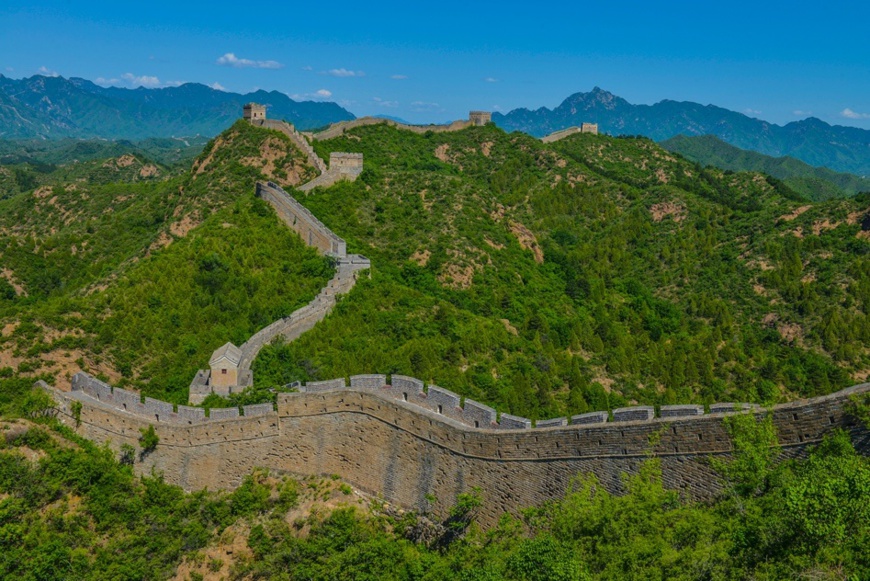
(223,371)
(476,424)
(440,409)
(405,396)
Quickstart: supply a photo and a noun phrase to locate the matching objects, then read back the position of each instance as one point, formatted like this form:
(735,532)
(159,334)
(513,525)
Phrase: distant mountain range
(845,149)
(55,107)
(815,183)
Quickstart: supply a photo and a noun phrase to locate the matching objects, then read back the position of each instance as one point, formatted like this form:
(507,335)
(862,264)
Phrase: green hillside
(643,278)
(813,183)
(141,282)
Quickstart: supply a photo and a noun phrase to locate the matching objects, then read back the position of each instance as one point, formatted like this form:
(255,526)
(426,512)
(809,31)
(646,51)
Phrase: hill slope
(843,149)
(814,183)
(55,107)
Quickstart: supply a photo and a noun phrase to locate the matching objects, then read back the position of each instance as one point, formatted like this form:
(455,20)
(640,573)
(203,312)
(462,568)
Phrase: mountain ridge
(56,107)
(811,140)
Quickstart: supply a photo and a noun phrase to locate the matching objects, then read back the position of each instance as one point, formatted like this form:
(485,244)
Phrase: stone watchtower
(224,365)
(480,118)
(589,128)
(254,112)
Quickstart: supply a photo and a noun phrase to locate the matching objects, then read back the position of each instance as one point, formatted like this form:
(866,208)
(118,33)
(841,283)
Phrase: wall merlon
(223,413)
(373,381)
(443,401)
(403,383)
(161,409)
(590,418)
(676,411)
(258,409)
(191,413)
(478,415)
(328,385)
(509,422)
(635,413)
(551,423)
(725,408)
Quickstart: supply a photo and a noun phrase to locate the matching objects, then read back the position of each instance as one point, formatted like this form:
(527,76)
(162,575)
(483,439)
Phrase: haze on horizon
(776,61)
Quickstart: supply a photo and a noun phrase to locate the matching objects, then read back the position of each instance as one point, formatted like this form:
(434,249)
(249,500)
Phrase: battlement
(348,163)
(394,437)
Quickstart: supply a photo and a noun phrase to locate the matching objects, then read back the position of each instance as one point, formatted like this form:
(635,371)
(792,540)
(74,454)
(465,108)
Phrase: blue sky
(779,61)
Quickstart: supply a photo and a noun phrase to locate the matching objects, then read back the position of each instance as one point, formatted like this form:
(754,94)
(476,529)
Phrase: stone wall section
(404,451)
(338,129)
(298,140)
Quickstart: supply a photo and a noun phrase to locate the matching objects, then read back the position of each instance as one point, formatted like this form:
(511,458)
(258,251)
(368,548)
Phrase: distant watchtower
(254,112)
(480,117)
(589,128)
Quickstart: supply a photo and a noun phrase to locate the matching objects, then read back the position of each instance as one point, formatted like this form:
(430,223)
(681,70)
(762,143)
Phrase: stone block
(223,413)
(590,418)
(509,422)
(551,423)
(258,409)
(372,381)
(123,397)
(679,411)
(636,413)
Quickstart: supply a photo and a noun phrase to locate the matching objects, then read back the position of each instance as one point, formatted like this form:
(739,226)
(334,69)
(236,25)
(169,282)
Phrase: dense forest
(542,279)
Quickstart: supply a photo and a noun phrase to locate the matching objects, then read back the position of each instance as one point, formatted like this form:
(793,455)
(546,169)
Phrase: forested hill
(586,274)
(55,107)
(842,149)
(814,183)
(542,279)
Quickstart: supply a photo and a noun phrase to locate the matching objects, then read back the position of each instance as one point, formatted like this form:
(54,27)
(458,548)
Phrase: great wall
(403,440)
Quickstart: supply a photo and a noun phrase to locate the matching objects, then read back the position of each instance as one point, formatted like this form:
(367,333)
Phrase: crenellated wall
(392,437)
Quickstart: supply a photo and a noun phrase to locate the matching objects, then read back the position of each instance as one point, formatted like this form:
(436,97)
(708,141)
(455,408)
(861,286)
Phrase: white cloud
(799,113)
(318,95)
(344,73)
(9,69)
(749,111)
(46,72)
(384,103)
(490,80)
(148,81)
(218,87)
(307,68)
(143,81)
(849,114)
(399,77)
(104,81)
(231,60)
(424,107)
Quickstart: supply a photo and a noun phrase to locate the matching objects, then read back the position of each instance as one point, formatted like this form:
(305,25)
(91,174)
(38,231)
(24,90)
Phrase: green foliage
(148,439)
(754,446)
(76,408)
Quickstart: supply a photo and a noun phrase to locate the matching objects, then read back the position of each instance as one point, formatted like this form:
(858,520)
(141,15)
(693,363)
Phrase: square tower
(224,365)
(254,112)
(589,128)
(480,117)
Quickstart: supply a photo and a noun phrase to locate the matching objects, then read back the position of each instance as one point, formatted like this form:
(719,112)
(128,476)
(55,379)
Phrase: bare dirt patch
(441,152)
(492,244)
(13,282)
(510,328)
(527,240)
(790,332)
(662,210)
(486,148)
(820,226)
(421,257)
(162,241)
(794,214)
(457,276)
(182,227)
(662,176)
(149,171)
(125,161)
(42,192)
